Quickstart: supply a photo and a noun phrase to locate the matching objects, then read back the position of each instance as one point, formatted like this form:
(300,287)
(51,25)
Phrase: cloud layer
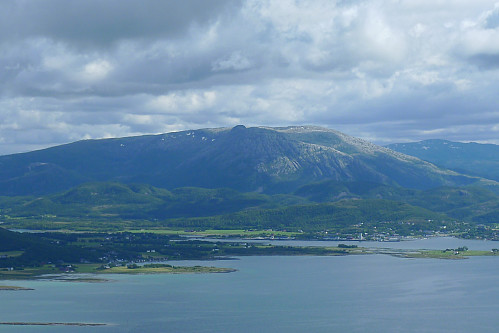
(384,70)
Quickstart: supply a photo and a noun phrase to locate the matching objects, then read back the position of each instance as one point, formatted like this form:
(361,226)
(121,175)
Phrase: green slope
(316,206)
(343,216)
(114,201)
(102,205)
(472,203)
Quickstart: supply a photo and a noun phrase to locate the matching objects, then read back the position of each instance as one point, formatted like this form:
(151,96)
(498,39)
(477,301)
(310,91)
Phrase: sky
(383,70)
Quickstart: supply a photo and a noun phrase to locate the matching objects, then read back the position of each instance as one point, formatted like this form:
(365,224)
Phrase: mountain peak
(249,159)
(238,128)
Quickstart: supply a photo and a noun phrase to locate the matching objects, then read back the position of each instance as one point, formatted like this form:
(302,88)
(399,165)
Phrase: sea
(357,293)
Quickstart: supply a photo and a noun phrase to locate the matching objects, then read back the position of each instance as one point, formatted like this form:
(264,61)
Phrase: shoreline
(15,288)
(76,276)
(49,272)
(22,323)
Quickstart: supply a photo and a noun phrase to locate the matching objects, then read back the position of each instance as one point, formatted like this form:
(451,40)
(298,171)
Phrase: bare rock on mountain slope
(264,159)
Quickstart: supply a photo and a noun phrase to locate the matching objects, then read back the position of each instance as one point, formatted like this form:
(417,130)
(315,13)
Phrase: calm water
(374,293)
(434,243)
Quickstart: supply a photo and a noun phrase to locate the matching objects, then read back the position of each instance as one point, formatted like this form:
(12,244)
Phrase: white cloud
(490,19)
(97,69)
(184,102)
(377,68)
(418,30)
(480,41)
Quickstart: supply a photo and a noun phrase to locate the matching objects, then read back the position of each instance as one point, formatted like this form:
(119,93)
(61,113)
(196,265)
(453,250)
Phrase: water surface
(369,293)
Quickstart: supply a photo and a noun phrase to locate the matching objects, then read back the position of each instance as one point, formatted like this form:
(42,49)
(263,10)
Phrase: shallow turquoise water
(374,293)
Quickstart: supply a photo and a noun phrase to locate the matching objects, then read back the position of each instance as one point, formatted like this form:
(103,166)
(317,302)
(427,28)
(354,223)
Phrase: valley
(98,203)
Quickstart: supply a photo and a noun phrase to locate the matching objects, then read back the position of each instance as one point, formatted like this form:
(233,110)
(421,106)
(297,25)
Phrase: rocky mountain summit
(261,159)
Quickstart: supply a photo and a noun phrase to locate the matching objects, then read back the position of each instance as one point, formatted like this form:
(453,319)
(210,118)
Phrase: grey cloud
(491,20)
(383,70)
(101,23)
(478,40)
(485,61)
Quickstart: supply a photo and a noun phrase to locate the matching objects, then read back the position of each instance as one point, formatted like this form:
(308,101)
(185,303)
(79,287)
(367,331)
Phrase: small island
(14,288)
(65,256)
(163,268)
(72,273)
(22,323)
(458,253)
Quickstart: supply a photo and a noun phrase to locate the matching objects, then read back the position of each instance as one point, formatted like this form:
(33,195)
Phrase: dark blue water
(371,293)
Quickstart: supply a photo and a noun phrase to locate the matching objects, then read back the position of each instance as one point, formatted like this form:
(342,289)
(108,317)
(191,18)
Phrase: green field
(215,233)
(13,288)
(51,272)
(11,254)
(440,254)
(28,273)
(165,269)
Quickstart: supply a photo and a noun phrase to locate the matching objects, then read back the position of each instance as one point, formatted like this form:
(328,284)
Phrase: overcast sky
(383,70)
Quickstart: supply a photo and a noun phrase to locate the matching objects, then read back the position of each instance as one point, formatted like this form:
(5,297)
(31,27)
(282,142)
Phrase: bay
(367,293)
(430,243)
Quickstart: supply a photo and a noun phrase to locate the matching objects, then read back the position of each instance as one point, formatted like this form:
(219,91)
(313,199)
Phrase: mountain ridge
(260,159)
(473,158)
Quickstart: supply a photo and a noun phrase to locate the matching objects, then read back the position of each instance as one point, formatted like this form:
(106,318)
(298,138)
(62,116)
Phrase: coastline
(15,288)
(22,323)
(42,273)
(76,273)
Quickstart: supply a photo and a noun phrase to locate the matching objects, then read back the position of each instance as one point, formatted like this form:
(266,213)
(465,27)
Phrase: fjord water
(368,293)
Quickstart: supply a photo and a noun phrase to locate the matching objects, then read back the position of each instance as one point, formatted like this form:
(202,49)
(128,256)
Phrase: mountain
(330,191)
(114,206)
(472,203)
(341,216)
(470,158)
(260,159)
(108,201)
